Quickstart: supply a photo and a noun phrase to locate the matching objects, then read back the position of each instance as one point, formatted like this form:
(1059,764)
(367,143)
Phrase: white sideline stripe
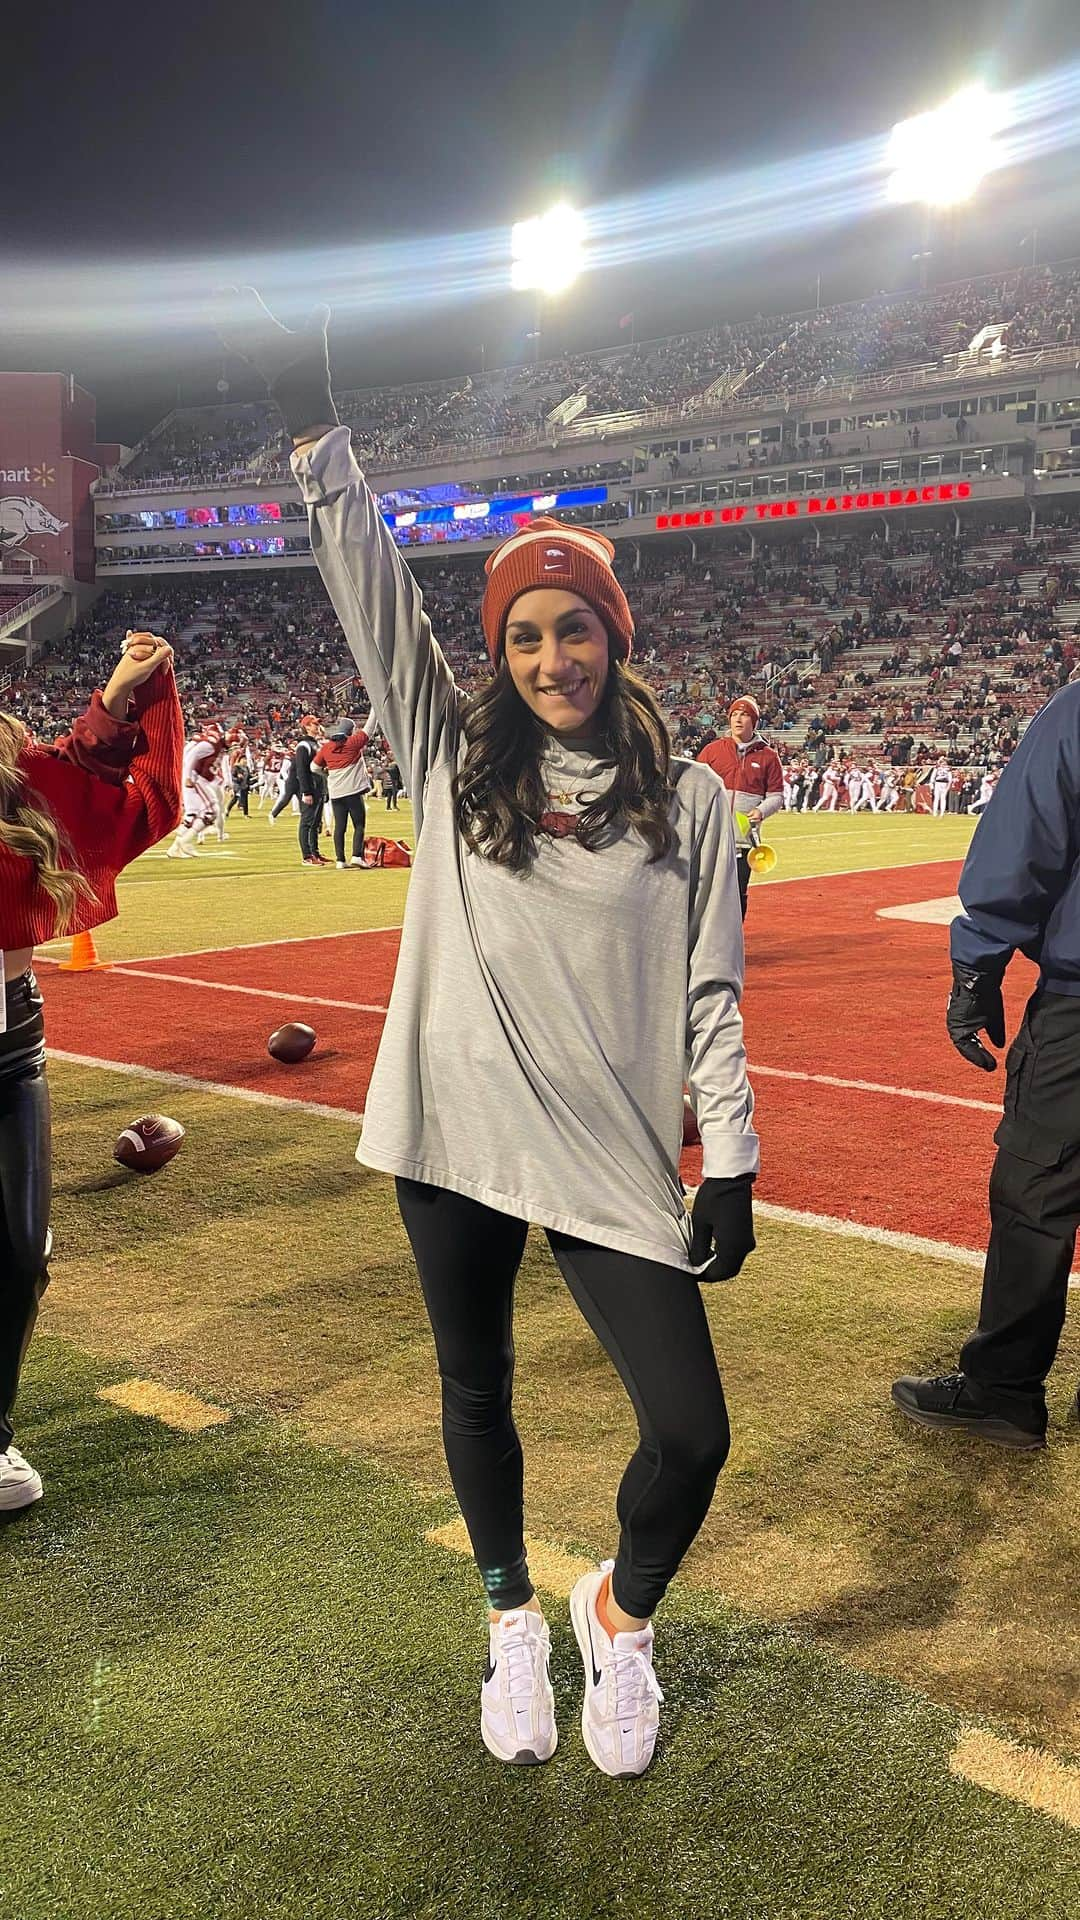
(259,993)
(192,1085)
(242,946)
(768,1209)
(841,873)
(881,1236)
(873,1086)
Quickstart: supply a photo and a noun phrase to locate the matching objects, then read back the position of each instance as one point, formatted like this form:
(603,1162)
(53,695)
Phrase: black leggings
(350,808)
(25,1185)
(650,1319)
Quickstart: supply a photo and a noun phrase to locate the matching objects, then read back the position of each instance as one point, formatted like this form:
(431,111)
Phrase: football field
(245,1673)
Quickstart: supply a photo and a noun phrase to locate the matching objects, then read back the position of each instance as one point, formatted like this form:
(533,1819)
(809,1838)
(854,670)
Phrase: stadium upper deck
(682,376)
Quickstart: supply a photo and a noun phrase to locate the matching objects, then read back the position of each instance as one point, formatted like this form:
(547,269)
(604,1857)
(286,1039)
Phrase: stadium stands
(770,355)
(931,643)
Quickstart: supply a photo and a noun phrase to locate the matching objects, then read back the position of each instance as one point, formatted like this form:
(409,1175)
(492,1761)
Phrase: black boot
(946,1400)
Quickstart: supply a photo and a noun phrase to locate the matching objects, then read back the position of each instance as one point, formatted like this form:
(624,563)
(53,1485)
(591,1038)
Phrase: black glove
(723,1217)
(295,366)
(975,1003)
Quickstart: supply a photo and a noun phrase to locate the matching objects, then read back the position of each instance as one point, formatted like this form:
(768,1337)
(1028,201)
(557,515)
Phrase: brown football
(691,1136)
(292,1042)
(149,1143)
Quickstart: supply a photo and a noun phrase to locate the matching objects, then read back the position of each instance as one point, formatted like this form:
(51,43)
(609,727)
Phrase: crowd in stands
(398,426)
(928,645)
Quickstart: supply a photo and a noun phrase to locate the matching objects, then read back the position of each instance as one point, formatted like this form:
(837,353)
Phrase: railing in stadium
(14,616)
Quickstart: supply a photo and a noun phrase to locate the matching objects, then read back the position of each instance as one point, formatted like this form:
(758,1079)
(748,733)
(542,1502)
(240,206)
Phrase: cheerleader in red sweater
(71,817)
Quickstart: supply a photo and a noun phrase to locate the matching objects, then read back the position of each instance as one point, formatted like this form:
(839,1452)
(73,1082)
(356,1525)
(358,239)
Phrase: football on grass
(292,1042)
(149,1143)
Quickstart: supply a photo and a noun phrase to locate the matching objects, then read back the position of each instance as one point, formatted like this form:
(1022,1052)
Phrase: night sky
(136,133)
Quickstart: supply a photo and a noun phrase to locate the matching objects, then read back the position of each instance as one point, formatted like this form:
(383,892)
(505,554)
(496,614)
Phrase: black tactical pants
(1034,1214)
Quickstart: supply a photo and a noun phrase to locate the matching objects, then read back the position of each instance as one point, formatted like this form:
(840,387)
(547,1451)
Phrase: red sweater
(113,788)
(757,770)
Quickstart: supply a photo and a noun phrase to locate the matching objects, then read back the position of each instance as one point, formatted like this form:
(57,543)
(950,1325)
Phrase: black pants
(1034,1214)
(350,808)
(25,1185)
(291,792)
(742,868)
(310,821)
(650,1319)
(239,799)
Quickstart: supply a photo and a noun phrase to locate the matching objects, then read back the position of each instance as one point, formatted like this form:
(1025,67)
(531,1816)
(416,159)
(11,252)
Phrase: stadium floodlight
(547,252)
(940,157)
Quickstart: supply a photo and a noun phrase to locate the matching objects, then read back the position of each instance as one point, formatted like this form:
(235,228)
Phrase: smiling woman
(572,950)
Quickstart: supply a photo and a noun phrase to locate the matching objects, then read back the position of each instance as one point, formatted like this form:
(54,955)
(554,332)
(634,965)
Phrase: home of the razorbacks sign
(873,500)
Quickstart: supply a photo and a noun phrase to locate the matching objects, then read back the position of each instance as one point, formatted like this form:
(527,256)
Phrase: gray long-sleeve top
(541,1023)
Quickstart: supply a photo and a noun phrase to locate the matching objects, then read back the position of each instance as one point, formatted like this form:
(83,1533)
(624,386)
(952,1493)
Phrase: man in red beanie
(752,773)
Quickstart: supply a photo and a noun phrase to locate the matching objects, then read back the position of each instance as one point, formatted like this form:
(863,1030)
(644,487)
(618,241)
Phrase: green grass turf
(236,1681)
(254,887)
(265,1269)
(820,843)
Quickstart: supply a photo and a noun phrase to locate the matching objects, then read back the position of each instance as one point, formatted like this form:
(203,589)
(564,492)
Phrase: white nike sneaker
(517,1706)
(621,1713)
(20,1486)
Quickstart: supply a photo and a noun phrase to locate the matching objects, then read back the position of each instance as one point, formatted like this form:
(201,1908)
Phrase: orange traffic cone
(83,956)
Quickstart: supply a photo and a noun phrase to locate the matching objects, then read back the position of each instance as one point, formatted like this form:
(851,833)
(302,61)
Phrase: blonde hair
(31,830)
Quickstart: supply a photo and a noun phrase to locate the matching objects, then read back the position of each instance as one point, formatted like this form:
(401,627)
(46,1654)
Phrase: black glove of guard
(295,366)
(975,1003)
(722,1220)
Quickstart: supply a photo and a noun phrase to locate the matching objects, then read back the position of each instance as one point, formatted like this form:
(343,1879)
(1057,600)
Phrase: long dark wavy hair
(498,794)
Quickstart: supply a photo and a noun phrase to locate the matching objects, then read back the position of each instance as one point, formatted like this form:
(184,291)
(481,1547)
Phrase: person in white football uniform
(829,798)
(199,792)
(986,790)
(940,782)
(889,796)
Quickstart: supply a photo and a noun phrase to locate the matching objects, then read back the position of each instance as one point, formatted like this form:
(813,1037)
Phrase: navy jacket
(1020,887)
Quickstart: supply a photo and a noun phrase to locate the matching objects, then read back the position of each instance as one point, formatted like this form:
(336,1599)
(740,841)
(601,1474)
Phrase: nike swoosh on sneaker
(596,1675)
(489,1671)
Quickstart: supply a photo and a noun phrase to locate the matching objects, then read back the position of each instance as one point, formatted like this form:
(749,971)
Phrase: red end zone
(832,990)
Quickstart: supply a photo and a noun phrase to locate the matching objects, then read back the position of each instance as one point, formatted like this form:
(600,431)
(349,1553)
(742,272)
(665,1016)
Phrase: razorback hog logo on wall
(22,518)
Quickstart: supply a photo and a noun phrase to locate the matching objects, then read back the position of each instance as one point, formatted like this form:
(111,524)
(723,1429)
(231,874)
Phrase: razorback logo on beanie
(580,559)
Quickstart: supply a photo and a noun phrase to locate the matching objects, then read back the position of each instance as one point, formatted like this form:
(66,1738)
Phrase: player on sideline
(829,797)
(753,775)
(558,844)
(71,818)
(940,782)
(986,790)
(200,801)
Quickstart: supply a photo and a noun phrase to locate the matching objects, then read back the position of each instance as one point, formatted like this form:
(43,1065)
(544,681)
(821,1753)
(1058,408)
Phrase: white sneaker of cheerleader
(20,1486)
(620,1716)
(517,1706)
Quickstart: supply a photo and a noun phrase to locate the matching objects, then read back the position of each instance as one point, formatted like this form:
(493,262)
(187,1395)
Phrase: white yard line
(876,1086)
(299,998)
(242,946)
(881,1236)
(768,1209)
(841,873)
(192,1085)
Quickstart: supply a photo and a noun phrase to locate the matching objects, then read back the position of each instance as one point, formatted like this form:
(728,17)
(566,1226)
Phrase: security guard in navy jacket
(1020,891)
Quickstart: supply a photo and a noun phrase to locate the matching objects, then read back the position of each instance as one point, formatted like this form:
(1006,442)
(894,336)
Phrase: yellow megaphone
(760,858)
